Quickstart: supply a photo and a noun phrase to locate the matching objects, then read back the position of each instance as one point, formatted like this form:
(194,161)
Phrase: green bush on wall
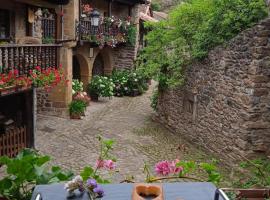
(191,31)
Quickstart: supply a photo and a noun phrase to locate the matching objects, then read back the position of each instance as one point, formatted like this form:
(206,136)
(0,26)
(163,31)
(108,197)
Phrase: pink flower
(175,169)
(100,164)
(106,164)
(165,168)
(109,164)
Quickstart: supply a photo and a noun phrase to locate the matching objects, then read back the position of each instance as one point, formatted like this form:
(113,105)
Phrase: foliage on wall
(191,31)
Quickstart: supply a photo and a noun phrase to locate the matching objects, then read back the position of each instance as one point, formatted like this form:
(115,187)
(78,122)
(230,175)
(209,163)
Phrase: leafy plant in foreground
(26,171)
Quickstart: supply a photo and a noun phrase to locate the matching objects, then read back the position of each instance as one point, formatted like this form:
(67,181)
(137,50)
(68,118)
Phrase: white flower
(73,92)
(78,179)
(135,80)
(125,88)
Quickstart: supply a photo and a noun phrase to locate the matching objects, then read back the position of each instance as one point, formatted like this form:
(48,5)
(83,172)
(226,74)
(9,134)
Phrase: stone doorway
(76,68)
(98,67)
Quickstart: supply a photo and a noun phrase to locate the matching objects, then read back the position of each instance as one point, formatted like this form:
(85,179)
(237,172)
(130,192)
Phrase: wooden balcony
(105,33)
(26,57)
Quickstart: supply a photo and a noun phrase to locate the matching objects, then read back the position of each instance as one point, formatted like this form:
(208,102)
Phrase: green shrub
(155,6)
(120,79)
(154,100)
(131,35)
(77,107)
(129,83)
(77,86)
(26,171)
(101,86)
(257,174)
(191,31)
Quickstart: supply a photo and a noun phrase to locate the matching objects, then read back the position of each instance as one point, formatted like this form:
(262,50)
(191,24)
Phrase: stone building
(224,106)
(94,49)
(28,37)
(86,37)
(67,32)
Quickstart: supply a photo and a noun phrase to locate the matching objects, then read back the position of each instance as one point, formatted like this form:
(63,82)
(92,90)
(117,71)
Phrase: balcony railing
(109,33)
(26,57)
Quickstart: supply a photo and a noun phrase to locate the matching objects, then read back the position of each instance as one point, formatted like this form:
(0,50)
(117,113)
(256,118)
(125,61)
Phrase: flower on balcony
(47,78)
(112,31)
(87,9)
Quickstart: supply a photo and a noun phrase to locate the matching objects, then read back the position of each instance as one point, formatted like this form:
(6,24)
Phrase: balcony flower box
(7,90)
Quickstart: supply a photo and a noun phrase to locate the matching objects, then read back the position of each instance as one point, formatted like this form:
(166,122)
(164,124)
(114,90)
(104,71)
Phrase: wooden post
(110,8)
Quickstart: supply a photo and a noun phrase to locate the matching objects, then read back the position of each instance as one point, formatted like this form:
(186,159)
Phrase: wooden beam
(38,3)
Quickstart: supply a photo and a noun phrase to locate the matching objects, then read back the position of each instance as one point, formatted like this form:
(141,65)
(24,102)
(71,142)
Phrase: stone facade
(124,57)
(120,57)
(224,106)
(46,106)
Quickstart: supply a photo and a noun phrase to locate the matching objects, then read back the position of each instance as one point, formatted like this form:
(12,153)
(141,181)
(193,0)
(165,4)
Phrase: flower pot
(22,87)
(75,116)
(7,90)
(94,97)
(151,191)
(135,93)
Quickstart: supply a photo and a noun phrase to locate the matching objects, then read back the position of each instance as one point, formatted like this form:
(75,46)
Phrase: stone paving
(73,144)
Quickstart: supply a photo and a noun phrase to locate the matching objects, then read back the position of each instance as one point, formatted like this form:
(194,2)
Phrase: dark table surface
(172,191)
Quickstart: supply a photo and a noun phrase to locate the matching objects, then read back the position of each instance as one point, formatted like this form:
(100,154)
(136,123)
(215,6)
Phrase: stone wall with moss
(224,106)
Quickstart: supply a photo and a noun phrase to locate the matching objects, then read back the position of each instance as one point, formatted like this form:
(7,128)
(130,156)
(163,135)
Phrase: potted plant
(100,86)
(77,109)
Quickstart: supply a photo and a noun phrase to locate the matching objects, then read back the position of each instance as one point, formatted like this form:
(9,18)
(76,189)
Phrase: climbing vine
(191,31)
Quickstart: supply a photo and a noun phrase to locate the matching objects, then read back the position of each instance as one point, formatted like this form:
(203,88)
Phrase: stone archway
(104,61)
(76,68)
(80,69)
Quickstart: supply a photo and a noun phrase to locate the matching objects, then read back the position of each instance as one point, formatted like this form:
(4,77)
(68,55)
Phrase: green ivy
(131,35)
(191,31)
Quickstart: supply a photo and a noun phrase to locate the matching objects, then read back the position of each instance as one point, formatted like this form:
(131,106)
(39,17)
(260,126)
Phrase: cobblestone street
(73,144)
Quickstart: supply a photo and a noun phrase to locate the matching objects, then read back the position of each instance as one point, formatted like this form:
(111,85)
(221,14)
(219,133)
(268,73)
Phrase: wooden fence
(26,57)
(13,141)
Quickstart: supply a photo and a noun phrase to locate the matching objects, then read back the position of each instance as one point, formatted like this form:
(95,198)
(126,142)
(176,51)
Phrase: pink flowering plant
(176,169)
(90,179)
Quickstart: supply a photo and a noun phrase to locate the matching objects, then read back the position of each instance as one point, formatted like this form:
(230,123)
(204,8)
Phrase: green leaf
(87,172)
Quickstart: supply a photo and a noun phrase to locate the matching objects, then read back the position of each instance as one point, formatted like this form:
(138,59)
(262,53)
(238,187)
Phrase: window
(4,24)
(190,104)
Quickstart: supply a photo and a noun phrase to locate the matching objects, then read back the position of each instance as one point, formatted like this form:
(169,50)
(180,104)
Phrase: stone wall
(46,106)
(224,106)
(123,57)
